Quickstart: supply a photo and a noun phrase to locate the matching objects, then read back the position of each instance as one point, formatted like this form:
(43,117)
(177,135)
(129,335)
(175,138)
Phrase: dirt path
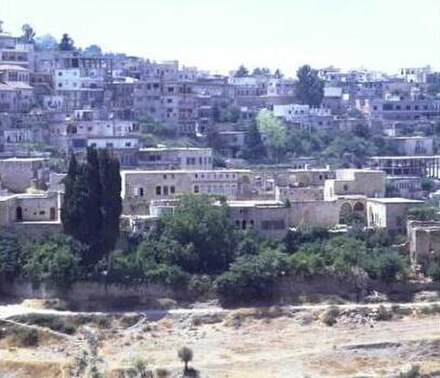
(252,342)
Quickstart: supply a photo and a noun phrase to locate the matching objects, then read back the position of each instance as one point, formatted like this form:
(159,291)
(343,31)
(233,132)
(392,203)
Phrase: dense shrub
(434,270)
(55,323)
(251,277)
(54,261)
(9,256)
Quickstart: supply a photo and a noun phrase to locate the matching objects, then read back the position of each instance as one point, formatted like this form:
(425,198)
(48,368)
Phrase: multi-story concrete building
(16,95)
(140,187)
(403,109)
(419,165)
(415,74)
(424,242)
(389,213)
(414,145)
(348,182)
(166,158)
(304,116)
(404,186)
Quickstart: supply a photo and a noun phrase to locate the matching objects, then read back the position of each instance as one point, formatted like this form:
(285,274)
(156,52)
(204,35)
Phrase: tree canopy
(275,134)
(253,148)
(242,72)
(309,89)
(66,43)
(28,34)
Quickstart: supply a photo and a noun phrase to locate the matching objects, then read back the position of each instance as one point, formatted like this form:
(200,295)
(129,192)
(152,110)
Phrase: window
(196,189)
(141,192)
(127,144)
(346,187)
(158,190)
(165,177)
(41,212)
(172,190)
(165,190)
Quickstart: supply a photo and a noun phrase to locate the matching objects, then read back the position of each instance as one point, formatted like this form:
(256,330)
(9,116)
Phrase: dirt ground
(244,343)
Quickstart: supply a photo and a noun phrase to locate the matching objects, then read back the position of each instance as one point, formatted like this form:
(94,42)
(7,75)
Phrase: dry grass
(33,369)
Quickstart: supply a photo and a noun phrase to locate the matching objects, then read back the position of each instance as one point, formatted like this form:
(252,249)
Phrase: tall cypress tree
(69,219)
(111,201)
(93,206)
(92,203)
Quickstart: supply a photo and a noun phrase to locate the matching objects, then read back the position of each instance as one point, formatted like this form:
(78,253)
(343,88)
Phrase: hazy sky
(221,34)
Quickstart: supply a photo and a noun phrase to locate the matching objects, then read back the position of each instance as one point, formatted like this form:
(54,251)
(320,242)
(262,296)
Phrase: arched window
(359,206)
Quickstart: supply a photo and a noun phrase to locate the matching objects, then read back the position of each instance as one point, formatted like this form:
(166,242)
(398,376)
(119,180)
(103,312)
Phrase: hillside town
(271,209)
(179,130)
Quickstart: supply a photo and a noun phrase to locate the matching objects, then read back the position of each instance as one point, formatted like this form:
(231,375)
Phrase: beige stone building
(389,213)
(140,187)
(424,242)
(18,174)
(348,182)
(167,158)
(38,207)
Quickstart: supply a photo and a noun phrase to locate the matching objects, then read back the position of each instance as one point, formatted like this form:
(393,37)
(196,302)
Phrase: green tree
(54,261)
(428,185)
(388,265)
(28,34)
(242,72)
(253,148)
(274,132)
(66,43)
(424,213)
(46,42)
(92,204)
(251,277)
(92,50)
(278,74)
(111,200)
(186,355)
(9,256)
(434,270)
(309,89)
(204,232)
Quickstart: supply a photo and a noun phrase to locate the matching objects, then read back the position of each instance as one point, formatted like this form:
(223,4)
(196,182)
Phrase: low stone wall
(35,230)
(84,294)
(97,295)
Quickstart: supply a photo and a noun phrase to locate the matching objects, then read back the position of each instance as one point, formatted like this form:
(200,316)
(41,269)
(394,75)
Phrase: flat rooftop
(403,157)
(394,200)
(416,137)
(182,171)
(255,203)
(165,149)
(26,159)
